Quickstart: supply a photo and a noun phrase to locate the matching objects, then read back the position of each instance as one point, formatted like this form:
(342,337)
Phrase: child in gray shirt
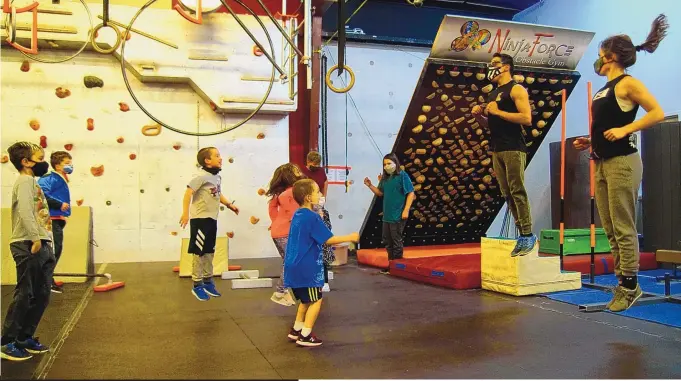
(31,248)
(202,201)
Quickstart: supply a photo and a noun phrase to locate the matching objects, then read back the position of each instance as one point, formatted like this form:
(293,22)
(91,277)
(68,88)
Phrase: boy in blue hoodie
(55,186)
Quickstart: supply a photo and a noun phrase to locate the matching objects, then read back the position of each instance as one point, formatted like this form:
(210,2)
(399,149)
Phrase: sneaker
(384,272)
(211,290)
(280,298)
(13,353)
(289,299)
(200,293)
(57,289)
(518,246)
(625,298)
(326,288)
(33,346)
(615,292)
(293,335)
(528,245)
(309,341)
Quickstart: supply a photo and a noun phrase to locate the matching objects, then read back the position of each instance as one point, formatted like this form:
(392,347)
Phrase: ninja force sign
(473,39)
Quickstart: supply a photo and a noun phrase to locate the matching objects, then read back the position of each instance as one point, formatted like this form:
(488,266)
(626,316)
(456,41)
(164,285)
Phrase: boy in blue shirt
(55,186)
(304,262)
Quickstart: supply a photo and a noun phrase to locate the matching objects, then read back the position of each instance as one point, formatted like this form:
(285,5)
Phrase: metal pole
(592,185)
(245,28)
(562,180)
(308,40)
(281,30)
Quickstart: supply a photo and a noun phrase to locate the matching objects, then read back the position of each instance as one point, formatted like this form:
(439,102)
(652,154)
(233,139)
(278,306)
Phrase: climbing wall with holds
(132,172)
(445,151)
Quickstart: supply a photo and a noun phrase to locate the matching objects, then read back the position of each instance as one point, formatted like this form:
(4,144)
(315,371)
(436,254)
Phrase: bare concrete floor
(373,326)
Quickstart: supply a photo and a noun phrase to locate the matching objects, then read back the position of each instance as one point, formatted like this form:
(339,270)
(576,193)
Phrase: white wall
(605,18)
(138,227)
(385,80)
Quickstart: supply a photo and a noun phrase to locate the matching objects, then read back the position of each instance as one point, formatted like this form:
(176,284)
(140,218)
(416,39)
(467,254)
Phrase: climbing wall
(135,182)
(445,151)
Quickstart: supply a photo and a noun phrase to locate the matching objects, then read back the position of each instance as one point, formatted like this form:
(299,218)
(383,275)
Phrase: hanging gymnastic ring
(94,43)
(335,89)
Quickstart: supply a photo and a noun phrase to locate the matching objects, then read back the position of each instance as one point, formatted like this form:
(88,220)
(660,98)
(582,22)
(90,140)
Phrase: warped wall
(445,151)
(137,201)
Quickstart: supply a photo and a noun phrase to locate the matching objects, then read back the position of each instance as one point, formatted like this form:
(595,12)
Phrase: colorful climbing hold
(35,124)
(90,124)
(43,141)
(91,81)
(133,156)
(62,92)
(97,171)
(123,106)
(25,66)
(68,146)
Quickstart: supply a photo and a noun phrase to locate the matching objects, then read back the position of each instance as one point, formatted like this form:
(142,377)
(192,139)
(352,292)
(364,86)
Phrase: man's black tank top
(504,135)
(606,113)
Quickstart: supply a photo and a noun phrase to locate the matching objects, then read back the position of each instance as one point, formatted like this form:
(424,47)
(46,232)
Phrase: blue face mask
(68,169)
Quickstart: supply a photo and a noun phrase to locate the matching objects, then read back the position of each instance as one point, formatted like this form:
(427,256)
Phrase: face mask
(68,169)
(314,168)
(598,65)
(390,168)
(493,72)
(212,171)
(40,168)
(320,204)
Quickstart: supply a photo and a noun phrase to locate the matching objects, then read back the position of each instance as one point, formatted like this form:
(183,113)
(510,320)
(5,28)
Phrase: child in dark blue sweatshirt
(55,186)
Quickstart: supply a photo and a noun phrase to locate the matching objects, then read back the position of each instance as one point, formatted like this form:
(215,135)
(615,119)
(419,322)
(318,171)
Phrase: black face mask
(40,168)
(212,171)
(598,65)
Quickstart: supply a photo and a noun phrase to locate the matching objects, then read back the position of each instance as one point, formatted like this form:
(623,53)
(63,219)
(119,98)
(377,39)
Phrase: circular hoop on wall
(115,46)
(82,48)
(336,89)
(175,129)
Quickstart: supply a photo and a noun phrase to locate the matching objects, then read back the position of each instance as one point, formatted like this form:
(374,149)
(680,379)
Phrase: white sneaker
(279,298)
(326,288)
(330,274)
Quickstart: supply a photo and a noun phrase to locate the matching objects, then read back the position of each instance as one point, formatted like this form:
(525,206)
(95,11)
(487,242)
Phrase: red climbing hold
(43,141)
(68,146)
(97,171)
(124,106)
(90,124)
(62,92)
(120,139)
(133,156)
(25,66)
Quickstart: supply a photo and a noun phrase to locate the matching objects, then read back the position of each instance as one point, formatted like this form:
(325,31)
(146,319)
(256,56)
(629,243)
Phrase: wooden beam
(313,143)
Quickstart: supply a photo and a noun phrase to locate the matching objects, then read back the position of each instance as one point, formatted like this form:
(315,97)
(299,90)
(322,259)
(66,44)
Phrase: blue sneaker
(32,345)
(210,289)
(13,353)
(527,245)
(200,293)
(518,246)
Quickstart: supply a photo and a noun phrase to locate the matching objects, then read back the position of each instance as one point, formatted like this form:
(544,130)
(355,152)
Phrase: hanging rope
(347,171)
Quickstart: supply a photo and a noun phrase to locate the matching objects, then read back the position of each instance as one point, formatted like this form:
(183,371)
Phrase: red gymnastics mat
(604,263)
(459,271)
(379,257)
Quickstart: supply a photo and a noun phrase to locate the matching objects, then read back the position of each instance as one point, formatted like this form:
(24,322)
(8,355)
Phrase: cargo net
(445,151)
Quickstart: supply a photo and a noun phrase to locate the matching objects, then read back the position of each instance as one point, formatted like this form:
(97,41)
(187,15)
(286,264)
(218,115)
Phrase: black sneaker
(57,289)
(293,335)
(309,341)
